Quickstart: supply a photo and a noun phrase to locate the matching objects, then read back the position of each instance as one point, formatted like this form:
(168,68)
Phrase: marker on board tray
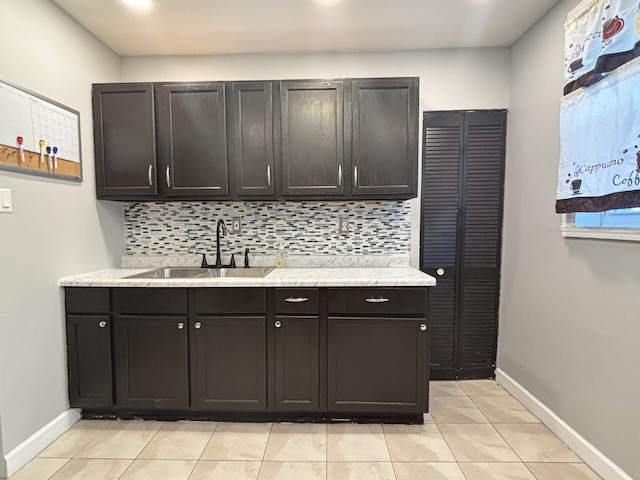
(55,158)
(50,158)
(20,142)
(41,151)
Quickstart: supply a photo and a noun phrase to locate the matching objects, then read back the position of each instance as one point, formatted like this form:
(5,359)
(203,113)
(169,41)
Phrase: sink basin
(194,272)
(252,272)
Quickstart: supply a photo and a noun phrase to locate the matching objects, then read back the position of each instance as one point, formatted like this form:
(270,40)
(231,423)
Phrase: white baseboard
(32,446)
(593,457)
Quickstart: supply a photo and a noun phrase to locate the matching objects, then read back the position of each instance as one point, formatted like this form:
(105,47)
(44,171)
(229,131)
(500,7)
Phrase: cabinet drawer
(163,301)
(379,301)
(296,300)
(231,300)
(87,300)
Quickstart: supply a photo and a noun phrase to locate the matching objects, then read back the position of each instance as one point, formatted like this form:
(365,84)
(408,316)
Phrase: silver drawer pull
(167,176)
(150,175)
(278,324)
(269,175)
(377,300)
(198,325)
(180,325)
(423,327)
(296,299)
(102,324)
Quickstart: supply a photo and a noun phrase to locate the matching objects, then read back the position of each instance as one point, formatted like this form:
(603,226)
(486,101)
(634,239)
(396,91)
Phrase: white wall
(569,313)
(453,79)
(57,227)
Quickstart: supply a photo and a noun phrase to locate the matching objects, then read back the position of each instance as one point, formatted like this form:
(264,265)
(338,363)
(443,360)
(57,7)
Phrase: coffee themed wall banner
(600,36)
(600,145)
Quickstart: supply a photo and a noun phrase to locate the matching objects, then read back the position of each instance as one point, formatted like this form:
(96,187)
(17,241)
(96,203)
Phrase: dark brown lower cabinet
(297,363)
(89,361)
(280,351)
(377,364)
(229,363)
(151,362)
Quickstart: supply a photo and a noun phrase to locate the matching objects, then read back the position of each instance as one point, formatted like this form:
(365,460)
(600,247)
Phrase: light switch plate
(6,202)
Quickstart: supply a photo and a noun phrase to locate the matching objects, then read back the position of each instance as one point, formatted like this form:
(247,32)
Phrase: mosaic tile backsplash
(305,228)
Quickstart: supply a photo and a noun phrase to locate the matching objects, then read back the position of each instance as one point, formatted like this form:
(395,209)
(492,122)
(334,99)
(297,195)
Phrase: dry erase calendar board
(38,136)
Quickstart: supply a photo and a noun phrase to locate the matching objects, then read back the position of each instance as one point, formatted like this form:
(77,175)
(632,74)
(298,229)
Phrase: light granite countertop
(403,276)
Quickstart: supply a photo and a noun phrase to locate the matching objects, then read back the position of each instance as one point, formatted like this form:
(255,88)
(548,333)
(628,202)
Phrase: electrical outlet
(236,225)
(343,226)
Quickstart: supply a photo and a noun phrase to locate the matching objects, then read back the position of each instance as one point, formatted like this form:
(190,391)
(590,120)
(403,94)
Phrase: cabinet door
(384,138)
(124,138)
(297,363)
(89,361)
(151,362)
(252,153)
(312,138)
(229,363)
(193,143)
(377,364)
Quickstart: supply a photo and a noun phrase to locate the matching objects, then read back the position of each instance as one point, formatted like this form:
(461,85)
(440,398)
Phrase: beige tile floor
(475,431)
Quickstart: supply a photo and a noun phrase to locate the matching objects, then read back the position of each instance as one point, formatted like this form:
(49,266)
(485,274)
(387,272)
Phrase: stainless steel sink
(193,272)
(252,272)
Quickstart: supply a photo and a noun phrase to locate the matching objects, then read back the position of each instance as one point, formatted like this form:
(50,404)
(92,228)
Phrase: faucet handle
(232,263)
(204,263)
(246,258)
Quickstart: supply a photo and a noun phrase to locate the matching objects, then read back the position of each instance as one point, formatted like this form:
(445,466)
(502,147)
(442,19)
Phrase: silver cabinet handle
(167,176)
(376,300)
(278,324)
(198,325)
(102,324)
(150,175)
(440,272)
(269,175)
(355,176)
(339,175)
(423,327)
(296,299)
(180,325)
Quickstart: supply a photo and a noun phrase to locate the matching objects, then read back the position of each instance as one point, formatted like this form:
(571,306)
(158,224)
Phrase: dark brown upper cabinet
(312,136)
(384,137)
(251,139)
(125,143)
(192,143)
(345,139)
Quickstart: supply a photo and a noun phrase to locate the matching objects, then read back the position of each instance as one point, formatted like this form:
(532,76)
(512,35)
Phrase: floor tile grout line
(480,410)
(264,452)
(53,474)
(395,475)
(207,443)
(449,447)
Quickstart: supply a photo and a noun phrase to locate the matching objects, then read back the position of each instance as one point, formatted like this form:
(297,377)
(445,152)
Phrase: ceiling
(205,27)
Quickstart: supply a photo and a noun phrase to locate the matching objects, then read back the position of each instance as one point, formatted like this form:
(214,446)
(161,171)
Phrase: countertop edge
(286,277)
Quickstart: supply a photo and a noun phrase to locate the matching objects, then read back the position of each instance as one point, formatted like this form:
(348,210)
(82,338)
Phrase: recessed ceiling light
(138,3)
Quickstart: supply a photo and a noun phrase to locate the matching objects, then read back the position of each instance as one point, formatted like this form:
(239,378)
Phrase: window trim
(569,230)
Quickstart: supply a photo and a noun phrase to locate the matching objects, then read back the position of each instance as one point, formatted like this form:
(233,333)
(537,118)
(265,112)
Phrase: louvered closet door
(443,137)
(462,194)
(480,241)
